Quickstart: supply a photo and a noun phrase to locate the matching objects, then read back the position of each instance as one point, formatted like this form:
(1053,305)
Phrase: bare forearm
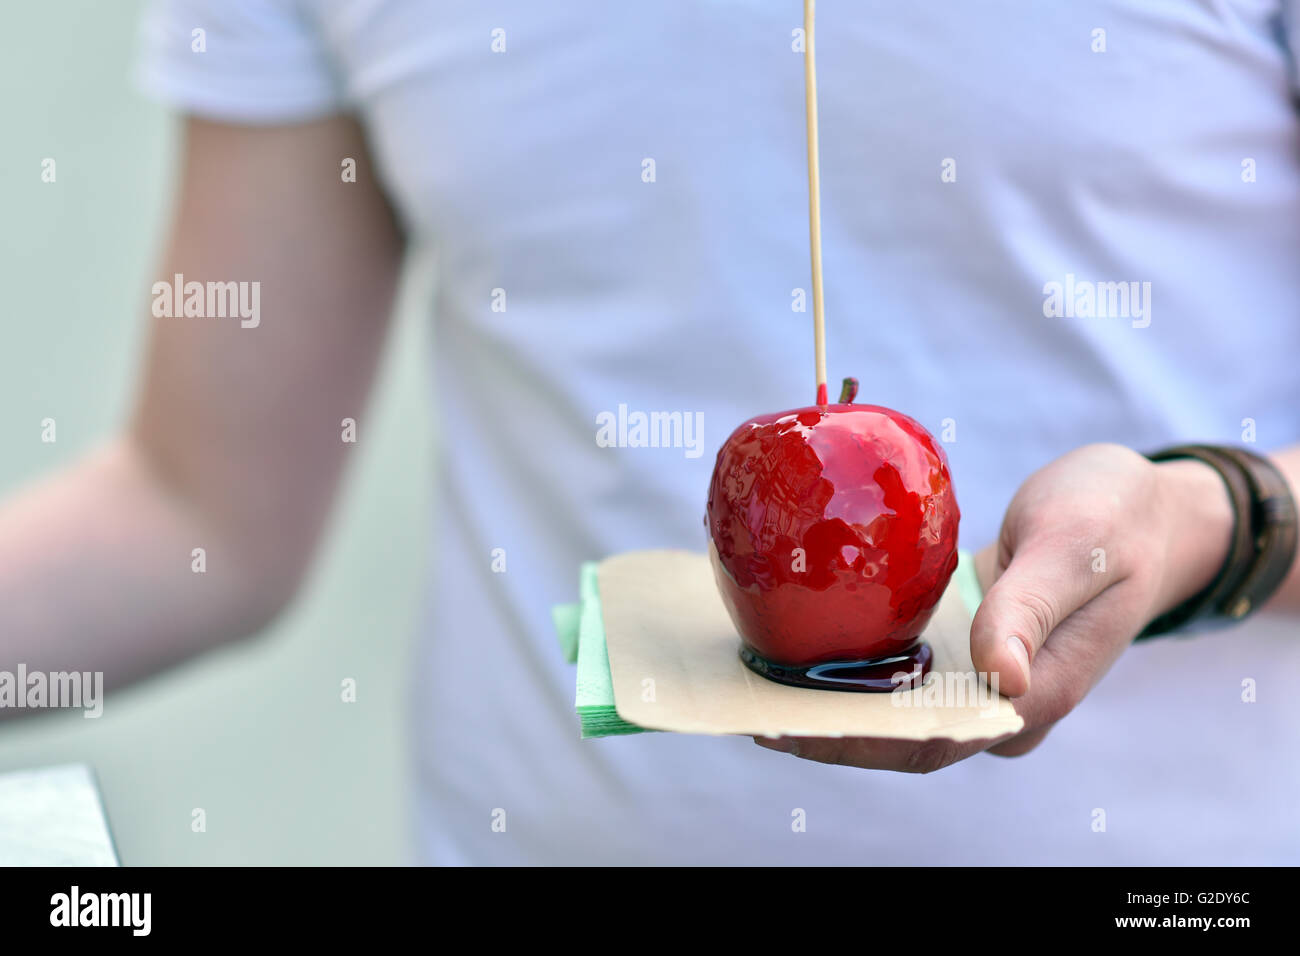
(197,524)
(100,570)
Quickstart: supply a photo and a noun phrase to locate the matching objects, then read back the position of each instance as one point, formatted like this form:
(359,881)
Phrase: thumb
(1042,586)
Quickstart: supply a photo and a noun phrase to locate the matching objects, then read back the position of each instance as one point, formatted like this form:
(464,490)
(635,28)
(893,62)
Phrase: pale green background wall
(256,735)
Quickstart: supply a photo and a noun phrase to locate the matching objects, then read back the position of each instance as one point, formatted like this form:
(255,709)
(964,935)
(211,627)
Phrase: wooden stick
(814,198)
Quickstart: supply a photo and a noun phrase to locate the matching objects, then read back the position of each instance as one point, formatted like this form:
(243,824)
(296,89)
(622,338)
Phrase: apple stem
(848,391)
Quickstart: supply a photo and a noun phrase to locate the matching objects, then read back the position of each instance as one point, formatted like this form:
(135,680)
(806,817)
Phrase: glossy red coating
(865,491)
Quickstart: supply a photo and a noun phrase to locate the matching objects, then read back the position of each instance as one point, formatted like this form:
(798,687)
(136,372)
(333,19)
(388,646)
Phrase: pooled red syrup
(835,534)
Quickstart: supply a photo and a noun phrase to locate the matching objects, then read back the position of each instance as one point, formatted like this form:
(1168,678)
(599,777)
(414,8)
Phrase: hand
(1093,546)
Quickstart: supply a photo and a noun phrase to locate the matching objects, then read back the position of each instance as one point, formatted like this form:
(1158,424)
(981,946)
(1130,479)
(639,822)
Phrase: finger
(986,567)
(1043,585)
(1021,744)
(1081,651)
(878,753)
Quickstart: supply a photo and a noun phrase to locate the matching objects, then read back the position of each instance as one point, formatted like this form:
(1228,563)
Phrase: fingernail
(785,745)
(1017,648)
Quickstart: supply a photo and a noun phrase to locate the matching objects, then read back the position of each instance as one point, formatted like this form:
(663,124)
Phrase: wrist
(1200,519)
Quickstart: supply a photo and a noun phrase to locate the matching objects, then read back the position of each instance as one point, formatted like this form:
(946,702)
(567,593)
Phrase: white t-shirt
(632,176)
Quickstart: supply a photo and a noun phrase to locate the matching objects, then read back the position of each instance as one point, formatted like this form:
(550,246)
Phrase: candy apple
(834,533)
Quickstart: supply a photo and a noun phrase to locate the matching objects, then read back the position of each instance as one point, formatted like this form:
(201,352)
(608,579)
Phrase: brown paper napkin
(674,662)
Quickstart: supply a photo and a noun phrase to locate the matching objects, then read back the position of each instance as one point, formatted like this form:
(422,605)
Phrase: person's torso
(1036,235)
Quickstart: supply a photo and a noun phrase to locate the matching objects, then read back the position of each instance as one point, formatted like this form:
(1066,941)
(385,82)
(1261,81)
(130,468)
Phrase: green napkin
(967,582)
(581,632)
(594,699)
(565,617)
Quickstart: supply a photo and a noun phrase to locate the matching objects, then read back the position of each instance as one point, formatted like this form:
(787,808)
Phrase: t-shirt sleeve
(242,61)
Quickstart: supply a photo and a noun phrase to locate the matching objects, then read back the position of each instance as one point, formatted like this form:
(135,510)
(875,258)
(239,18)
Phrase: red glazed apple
(835,533)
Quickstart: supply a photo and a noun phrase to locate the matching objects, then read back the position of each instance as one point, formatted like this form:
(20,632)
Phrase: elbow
(260,608)
(268,584)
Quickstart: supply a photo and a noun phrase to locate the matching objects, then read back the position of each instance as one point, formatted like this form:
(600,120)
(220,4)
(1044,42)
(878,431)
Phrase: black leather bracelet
(1263,541)
(1275,529)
